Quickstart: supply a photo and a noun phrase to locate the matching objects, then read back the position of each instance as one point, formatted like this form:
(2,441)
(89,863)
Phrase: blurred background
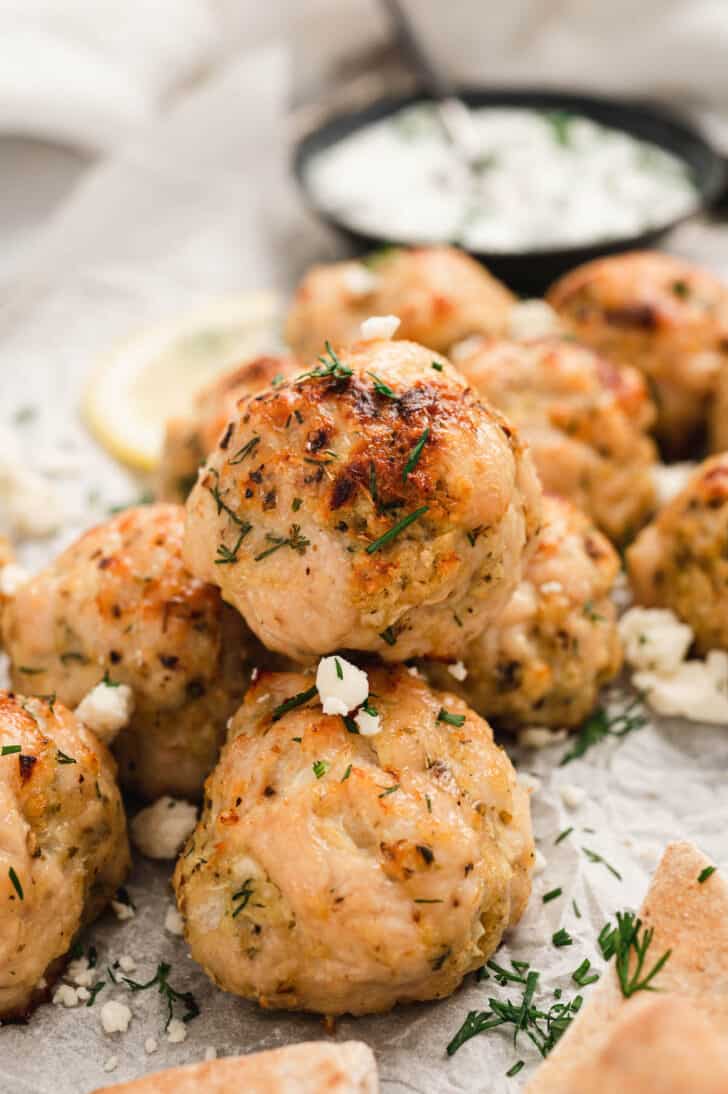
(190,87)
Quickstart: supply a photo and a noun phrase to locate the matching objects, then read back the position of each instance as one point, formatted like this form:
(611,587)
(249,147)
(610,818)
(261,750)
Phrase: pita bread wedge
(312,1067)
(691,920)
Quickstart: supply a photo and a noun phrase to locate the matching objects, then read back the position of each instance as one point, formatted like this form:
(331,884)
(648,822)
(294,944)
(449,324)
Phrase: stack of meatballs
(363,549)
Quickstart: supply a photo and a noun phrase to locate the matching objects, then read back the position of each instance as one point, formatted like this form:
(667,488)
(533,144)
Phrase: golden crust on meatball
(556,644)
(119,601)
(188,440)
(440,295)
(338,873)
(64,845)
(584,418)
(664,316)
(719,414)
(680,561)
(373,503)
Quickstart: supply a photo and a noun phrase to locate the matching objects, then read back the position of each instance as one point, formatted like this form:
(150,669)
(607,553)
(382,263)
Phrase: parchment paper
(201,204)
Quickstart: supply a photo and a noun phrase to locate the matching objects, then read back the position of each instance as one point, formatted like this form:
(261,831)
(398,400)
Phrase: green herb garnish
(594,857)
(295,701)
(551,895)
(247,450)
(706,873)
(396,529)
(623,941)
(562,938)
(62,758)
(227,556)
(294,540)
(330,366)
(10,750)
(241,898)
(450,719)
(160,980)
(414,456)
(381,388)
(16,882)
(602,725)
(320,767)
(582,976)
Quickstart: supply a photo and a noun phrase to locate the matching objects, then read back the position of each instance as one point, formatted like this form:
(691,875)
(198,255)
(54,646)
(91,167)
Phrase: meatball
(585,420)
(440,295)
(64,846)
(556,644)
(188,440)
(119,603)
(372,504)
(680,561)
(339,873)
(662,315)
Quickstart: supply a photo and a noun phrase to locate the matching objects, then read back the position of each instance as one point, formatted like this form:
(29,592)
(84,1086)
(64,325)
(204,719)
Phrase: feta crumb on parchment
(115,1017)
(12,576)
(126,963)
(572,796)
(358,280)
(176,1031)
(30,507)
(368,724)
(112,1063)
(106,709)
(540,737)
(65,996)
(656,643)
(150,1045)
(698,690)
(539,862)
(529,782)
(458,671)
(160,829)
(173,921)
(122,911)
(341,685)
(379,326)
(654,639)
(210,1053)
(80,973)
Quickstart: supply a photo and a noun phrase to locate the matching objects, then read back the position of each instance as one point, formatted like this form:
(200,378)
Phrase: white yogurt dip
(545,180)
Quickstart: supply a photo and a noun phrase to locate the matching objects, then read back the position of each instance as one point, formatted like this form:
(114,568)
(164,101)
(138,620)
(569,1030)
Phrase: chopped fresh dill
(396,529)
(414,456)
(247,450)
(551,895)
(450,719)
(624,941)
(294,540)
(295,701)
(381,388)
(594,857)
(562,835)
(602,725)
(319,768)
(562,938)
(706,873)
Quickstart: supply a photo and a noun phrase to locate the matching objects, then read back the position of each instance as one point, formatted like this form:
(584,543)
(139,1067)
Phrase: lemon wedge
(155,375)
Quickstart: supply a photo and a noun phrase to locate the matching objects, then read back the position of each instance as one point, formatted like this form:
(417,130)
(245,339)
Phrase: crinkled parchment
(197,206)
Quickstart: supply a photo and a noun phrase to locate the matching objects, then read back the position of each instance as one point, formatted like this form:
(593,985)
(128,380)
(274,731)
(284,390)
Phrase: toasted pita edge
(688,918)
(314,1066)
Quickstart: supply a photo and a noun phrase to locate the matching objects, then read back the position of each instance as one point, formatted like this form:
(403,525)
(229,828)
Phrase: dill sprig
(293,702)
(396,529)
(381,388)
(543,1026)
(222,505)
(330,366)
(625,943)
(414,456)
(593,856)
(160,980)
(226,556)
(246,450)
(295,540)
(602,725)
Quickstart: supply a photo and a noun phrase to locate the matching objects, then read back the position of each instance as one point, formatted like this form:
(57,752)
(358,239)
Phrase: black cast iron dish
(530,272)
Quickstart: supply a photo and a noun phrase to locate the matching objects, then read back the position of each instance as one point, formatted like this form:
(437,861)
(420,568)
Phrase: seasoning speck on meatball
(372,503)
(340,874)
(64,846)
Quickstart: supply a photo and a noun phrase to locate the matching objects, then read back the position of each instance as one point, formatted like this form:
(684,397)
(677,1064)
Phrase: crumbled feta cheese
(115,1017)
(65,996)
(176,1031)
(358,280)
(122,911)
(458,671)
(529,782)
(106,709)
(414,671)
(465,348)
(368,724)
(83,994)
(697,690)
(540,737)
(80,973)
(12,576)
(160,829)
(572,796)
(173,921)
(150,1045)
(126,963)
(670,479)
(654,639)
(112,1063)
(341,685)
(379,326)
(539,862)
(552,587)
(210,1052)
(532,319)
